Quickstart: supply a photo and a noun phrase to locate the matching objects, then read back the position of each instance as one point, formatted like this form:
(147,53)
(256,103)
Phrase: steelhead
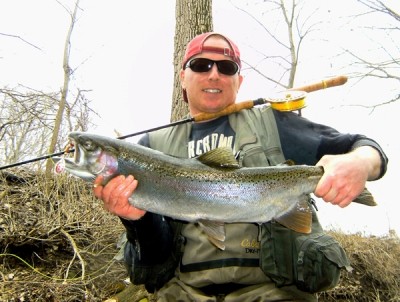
(211,189)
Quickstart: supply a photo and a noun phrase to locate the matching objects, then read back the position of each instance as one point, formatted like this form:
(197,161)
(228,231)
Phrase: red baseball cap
(196,46)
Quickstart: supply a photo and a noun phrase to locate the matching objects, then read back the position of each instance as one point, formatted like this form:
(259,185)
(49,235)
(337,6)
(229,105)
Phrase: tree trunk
(64,92)
(193,17)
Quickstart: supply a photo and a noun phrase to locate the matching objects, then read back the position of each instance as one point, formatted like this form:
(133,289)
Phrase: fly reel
(294,98)
(288,100)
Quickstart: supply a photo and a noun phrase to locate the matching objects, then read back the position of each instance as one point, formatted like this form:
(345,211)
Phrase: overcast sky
(123,53)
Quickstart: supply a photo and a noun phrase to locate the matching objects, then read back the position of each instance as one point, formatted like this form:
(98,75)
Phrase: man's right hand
(115,196)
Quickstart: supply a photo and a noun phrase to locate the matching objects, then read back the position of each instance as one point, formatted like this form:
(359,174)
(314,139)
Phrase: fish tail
(366,198)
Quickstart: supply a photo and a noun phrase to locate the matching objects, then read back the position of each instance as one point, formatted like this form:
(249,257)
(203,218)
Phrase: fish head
(90,159)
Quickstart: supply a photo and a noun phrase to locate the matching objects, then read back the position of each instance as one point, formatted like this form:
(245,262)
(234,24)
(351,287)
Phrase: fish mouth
(86,155)
(78,157)
(75,165)
(82,149)
(73,168)
(91,159)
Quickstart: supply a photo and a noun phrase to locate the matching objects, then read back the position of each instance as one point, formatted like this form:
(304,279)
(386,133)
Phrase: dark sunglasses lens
(227,67)
(203,65)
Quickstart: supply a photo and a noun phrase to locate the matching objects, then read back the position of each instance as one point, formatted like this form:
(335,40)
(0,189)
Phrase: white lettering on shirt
(209,142)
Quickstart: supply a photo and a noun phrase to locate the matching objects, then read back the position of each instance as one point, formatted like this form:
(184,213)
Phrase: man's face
(210,91)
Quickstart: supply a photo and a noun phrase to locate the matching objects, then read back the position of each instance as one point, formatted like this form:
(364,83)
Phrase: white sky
(123,52)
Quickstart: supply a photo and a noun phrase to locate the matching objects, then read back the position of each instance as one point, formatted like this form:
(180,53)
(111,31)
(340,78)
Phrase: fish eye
(88,145)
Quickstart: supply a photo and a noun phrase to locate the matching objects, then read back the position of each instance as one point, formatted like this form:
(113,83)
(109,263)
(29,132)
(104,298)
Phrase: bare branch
(379,6)
(269,33)
(298,26)
(22,39)
(380,104)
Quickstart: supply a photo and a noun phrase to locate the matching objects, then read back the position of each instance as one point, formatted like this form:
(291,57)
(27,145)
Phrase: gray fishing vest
(257,144)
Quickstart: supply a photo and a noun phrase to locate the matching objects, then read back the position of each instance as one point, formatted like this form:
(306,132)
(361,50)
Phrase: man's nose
(213,73)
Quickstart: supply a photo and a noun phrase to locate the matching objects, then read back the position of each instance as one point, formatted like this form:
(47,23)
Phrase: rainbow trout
(211,189)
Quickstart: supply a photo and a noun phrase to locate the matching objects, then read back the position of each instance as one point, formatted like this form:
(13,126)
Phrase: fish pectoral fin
(215,231)
(219,158)
(299,218)
(366,198)
(217,243)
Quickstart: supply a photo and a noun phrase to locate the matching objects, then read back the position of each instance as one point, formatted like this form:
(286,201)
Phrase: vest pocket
(254,155)
(319,260)
(312,262)
(276,258)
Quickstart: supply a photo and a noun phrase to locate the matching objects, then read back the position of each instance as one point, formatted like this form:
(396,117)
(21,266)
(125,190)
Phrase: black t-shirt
(207,136)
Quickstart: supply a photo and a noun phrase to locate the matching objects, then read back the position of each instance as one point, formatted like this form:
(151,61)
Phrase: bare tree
(64,91)
(24,118)
(26,122)
(386,66)
(28,117)
(289,26)
(286,28)
(193,17)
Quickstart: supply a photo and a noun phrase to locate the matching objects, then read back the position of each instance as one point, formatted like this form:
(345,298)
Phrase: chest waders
(254,254)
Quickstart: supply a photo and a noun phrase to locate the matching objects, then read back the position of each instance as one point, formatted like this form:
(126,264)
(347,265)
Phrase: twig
(76,253)
(22,39)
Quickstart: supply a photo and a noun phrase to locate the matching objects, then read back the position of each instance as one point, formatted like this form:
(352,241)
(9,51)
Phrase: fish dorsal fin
(215,231)
(299,218)
(219,158)
(287,162)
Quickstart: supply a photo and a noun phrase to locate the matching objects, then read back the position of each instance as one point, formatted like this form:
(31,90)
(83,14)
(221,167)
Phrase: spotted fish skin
(211,189)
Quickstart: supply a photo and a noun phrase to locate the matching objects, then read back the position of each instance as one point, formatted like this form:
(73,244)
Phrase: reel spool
(288,100)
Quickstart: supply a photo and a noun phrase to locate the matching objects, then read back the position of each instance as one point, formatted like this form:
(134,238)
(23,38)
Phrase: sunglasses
(225,67)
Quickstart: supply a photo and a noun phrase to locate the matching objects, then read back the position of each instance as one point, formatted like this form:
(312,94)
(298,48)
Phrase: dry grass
(58,244)
(55,245)
(376,269)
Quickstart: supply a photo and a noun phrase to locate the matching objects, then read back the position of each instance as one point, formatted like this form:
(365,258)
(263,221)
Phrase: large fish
(210,189)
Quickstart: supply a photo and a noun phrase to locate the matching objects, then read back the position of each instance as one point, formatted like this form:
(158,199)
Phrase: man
(158,246)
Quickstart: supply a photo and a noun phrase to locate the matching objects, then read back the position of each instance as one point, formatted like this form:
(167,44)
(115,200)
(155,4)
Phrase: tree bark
(193,17)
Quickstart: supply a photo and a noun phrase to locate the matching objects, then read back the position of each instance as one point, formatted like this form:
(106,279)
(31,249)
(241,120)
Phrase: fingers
(335,192)
(343,179)
(116,194)
(97,186)
(118,188)
(337,197)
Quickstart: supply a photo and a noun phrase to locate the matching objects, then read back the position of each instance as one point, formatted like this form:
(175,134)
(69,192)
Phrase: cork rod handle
(336,81)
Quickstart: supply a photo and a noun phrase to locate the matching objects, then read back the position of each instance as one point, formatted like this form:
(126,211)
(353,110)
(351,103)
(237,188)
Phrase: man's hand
(115,196)
(346,174)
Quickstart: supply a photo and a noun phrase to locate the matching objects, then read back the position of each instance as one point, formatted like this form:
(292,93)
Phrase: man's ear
(240,81)
(182,78)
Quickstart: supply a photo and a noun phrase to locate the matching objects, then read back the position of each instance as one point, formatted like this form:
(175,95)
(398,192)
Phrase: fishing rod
(291,100)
